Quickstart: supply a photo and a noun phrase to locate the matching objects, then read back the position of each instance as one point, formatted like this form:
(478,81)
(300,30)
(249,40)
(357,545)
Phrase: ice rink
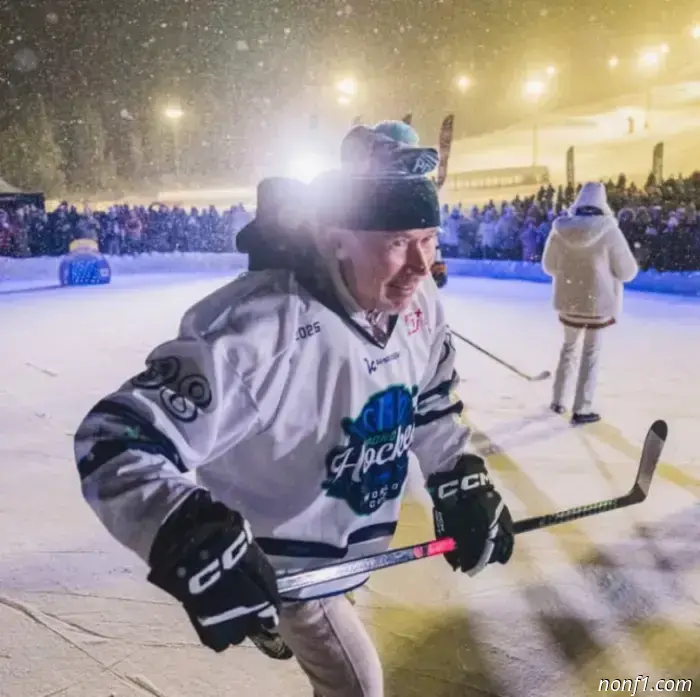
(613,597)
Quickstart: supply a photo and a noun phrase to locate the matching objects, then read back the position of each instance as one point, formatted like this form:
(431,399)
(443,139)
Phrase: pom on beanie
(372,151)
(398,131)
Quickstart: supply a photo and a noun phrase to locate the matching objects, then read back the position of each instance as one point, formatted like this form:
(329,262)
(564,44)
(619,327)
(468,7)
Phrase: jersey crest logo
(371,467)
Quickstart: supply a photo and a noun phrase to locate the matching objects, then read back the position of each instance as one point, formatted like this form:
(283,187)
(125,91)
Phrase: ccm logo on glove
(211,573)
(469,509)
(205,556)
(466,483)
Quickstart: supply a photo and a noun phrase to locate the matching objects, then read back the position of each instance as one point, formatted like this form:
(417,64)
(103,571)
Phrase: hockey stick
(445,148)
(274,646)
(532,378)
(651,453)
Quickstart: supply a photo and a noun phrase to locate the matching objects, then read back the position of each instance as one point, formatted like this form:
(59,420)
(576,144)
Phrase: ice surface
(613,596)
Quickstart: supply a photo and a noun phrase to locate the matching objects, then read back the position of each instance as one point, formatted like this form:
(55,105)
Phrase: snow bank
(45,269)
(674,282)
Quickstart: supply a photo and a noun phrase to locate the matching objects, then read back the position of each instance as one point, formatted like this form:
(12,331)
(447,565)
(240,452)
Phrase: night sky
(238,67)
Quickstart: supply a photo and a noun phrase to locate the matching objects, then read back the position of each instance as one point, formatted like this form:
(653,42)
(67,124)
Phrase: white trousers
(587,378)
(332,647)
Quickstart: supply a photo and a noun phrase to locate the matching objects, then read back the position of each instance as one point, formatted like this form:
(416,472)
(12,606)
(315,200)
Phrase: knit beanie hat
(382,183)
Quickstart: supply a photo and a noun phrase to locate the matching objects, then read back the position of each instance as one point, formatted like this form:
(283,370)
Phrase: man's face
(383,269)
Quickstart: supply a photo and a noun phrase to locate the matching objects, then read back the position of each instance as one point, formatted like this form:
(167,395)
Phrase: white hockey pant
(587,370)
(332,647)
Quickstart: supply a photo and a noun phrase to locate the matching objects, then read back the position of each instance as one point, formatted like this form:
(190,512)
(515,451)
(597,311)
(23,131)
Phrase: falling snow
(215,56)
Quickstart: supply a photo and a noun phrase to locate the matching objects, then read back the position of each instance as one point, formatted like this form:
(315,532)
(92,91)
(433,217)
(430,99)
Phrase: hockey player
(298,395)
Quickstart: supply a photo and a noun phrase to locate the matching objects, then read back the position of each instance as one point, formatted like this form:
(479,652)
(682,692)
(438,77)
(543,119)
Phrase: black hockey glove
(205,557)
(468,509)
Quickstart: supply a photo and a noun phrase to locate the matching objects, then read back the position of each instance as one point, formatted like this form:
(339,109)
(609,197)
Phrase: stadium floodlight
(534,89)
(464,83)
(347,87)
(650,58)
(173,113)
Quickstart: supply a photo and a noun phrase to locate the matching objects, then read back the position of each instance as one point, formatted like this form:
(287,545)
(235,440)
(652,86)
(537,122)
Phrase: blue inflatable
(84,265)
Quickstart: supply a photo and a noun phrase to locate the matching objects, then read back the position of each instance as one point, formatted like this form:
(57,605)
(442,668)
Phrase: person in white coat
(588,259)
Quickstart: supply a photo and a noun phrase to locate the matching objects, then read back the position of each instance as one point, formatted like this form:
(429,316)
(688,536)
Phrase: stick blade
(272,645)
(651,454)
(544,375)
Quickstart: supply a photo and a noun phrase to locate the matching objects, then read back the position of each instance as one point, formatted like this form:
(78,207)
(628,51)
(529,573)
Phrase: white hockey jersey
(290,413)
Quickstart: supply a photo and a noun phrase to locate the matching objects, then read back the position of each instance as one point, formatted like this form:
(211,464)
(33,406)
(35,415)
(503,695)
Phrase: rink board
(673,282)
(35,270)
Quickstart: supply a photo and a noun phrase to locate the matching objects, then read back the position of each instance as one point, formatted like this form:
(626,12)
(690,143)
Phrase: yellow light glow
(347,87)
(551,71)
(664,49)
(649,59)
(695,31)
(613,62)
(534,88)
(464,83)
(174,113)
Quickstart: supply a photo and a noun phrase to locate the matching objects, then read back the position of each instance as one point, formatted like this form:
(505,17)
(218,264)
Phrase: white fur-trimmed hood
(582,231)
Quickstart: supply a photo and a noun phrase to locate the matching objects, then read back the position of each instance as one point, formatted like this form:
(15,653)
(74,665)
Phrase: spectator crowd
(30,231)
(660,222)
